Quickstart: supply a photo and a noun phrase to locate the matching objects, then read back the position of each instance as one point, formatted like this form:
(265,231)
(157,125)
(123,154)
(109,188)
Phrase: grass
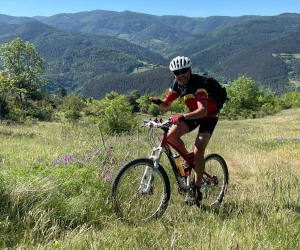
(55,181)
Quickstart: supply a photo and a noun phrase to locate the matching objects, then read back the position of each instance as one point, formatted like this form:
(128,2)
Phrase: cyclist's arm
(165,105)
(162,104)
(201,111)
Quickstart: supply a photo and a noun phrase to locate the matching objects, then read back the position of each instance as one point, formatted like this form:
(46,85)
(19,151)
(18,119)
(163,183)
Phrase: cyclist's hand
(155,100)
(177,118)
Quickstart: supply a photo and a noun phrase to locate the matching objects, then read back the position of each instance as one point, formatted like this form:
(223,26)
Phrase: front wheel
(215,180)
(134,200)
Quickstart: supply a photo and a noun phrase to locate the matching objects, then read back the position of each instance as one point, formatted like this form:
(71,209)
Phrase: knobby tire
(130,204)
(216,167)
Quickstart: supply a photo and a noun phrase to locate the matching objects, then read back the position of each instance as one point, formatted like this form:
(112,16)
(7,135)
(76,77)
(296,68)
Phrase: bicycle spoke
(215,180)
(131,201)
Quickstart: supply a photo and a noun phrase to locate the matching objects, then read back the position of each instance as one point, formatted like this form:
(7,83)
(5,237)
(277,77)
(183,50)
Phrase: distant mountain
(250,43)
(6,28)
(39,18)
(150,31)
(16,20)
(141,29)
(95,47)
(73,58)
(273,64)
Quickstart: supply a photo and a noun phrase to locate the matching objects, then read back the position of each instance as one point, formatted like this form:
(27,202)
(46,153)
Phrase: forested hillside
(74,58)
(272,64)
(93,47)
(15,20)
(52,43)
(247,49)
(153,32)
(155,81)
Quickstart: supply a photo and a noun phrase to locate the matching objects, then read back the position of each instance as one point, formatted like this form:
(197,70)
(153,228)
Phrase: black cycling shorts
(207,125)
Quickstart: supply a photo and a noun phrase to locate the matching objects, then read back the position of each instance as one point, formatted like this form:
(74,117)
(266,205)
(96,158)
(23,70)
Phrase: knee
(199,152)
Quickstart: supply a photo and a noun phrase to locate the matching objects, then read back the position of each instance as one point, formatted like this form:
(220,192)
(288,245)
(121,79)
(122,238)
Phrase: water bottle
(178,162)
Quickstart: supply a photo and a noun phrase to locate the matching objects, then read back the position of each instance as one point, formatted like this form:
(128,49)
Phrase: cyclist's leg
(206,129)
(199,150)
(175,132)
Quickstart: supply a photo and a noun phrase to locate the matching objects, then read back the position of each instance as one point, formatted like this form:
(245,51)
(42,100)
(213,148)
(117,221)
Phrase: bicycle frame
(165,147)
(145,199)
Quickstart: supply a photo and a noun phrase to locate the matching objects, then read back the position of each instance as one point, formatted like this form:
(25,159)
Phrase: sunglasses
(180,71)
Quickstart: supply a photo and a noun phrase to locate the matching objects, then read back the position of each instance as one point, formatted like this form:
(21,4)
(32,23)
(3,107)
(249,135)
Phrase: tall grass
(55,181)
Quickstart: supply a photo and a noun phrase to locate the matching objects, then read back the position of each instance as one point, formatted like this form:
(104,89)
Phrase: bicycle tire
(215,166)
(133,206)
(153,138)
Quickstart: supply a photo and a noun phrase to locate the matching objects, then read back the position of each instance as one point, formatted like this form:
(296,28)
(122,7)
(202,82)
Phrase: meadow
(55,181)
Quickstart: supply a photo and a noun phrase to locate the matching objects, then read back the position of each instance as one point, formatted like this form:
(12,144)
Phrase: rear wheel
(131,200)
(215,180)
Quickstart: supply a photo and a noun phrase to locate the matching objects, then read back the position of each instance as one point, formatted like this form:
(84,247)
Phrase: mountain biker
(203,112)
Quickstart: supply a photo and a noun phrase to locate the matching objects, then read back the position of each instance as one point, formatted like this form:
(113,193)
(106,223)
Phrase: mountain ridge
(146,42)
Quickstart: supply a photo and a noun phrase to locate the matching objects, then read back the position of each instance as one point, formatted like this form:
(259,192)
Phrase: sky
(189,8)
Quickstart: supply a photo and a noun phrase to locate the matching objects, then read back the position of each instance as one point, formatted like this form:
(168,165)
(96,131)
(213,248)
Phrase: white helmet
(180,62)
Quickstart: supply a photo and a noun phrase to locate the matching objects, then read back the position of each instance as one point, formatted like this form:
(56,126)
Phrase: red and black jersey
(196,90)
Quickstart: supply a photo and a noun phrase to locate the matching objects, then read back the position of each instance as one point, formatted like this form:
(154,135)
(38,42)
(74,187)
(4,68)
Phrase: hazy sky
(191,8)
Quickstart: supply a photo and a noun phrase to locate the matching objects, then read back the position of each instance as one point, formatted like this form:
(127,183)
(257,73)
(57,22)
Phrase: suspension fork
(155,156)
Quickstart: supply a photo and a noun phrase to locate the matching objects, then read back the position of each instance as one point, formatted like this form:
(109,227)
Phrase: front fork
(145,187)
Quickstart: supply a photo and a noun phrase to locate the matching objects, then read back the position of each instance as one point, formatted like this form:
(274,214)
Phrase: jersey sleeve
(201,94)
(172,93)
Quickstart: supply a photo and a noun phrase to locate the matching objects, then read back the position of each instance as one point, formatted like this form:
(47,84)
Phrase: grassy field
(55,181)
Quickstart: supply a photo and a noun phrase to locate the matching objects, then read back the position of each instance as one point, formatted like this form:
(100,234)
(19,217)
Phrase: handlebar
(153,124)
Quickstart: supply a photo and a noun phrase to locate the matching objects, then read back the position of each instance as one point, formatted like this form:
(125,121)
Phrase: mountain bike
(141,190)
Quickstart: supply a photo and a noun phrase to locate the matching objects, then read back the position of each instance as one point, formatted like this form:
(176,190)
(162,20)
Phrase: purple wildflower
(57,161)
(103,168)
(69,159)
(86,158)
(97,152)
(108,177)
(38,160)
(280,139)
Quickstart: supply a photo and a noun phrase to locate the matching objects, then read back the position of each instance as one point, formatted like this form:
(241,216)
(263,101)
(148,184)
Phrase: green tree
(292,99)
(62,92)
(6,87)
(116,115)
(144,103)
(243,99)
(132,99)
(154,110)
(112,95)
(178,106)
(23,66)
(269,103)
(72,106)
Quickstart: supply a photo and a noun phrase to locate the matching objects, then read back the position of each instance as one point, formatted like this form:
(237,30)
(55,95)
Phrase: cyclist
(203,112)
